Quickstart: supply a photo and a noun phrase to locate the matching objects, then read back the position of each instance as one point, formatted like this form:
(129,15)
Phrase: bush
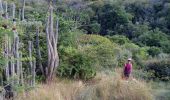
(101,49)
(142,74)
(75,64)
(160,68)
(119,39)
(155,38)
(139,54)
(154,51)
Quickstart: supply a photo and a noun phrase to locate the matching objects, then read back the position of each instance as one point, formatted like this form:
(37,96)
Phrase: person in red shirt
(127,69)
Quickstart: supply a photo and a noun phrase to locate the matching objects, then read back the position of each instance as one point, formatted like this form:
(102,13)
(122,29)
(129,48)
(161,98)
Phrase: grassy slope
(161,90)
(103,87)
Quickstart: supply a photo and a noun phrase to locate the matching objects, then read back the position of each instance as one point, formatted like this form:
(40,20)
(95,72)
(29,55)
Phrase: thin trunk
(6,57)
(21,70)
(39,58)
(17,59)
(6,10)
(33,73)
(1,8)
(12,70)
(30,59)
(23,10)
(11,58)
(13,11)
(19,15)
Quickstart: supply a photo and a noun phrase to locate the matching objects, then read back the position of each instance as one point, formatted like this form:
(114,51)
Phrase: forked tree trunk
(53,59)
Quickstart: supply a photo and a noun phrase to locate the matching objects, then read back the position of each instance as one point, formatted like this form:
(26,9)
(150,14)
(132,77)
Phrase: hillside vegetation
(76,49)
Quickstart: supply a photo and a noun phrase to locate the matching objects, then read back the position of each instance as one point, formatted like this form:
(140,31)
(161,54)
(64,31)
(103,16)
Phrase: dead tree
(30,45)
(21,71)
(17,58)
(1,8)
(13,11)
(23,10)
(19,14)
(6,10)
(12,69)
(53,59)
(33,73)
(6,57)
(32,63)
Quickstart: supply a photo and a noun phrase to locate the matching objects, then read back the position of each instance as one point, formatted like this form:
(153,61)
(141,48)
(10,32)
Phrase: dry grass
(103,87)
(58,90)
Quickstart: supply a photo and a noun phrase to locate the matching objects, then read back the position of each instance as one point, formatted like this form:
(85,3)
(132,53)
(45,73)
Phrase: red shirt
(128,67)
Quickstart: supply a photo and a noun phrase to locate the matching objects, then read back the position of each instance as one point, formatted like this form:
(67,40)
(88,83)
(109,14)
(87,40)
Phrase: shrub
(122,57)
(75,64)
(119,39)
(101,49)
(154,51)
(139,54)
(160,68)
(165,45)
(155,38)
(142,74)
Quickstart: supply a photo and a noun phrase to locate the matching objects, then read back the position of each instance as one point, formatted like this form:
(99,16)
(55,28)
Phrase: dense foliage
(119,29)
(160,69)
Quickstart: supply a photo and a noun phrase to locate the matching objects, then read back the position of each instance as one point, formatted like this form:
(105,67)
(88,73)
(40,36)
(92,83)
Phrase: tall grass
(58,90)
(103,87)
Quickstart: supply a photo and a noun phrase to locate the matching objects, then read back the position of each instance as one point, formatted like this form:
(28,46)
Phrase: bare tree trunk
(17,59)
(30,59)
(33,73)
(39,58)
(6,57)
(19,15)
(6,10)
(1,8)
(11,58)
(23,10)
(15,55)
(13,11)
(12,69)
(21,71)
(53,59)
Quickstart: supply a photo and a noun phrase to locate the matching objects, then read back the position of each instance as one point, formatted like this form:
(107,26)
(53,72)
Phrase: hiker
(127,69)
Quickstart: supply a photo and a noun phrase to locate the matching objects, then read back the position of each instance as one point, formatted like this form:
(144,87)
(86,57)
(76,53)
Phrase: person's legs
(126,75)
